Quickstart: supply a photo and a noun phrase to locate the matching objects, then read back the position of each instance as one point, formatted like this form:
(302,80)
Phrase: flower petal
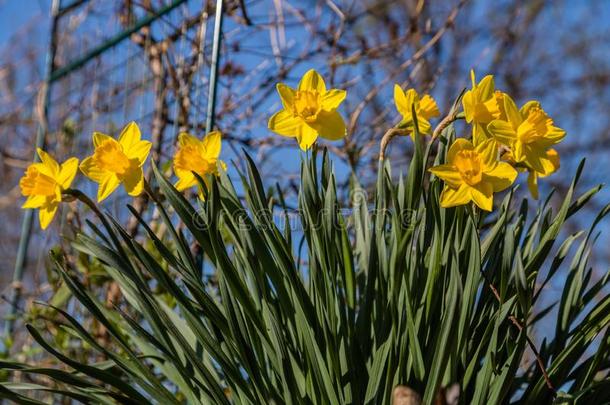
(284,123)
(486,88)
(48,161)
(67,172)
(47,212)
(451,197)
(108,184)
(512,112)
(482,195)
(307,137)
(312,81)
(330,125)
(488,150)
(448,173)
(501,177)
(527,107)
(550,163)
(212,144)
(34,201)
(91,170)
(185,139)
(502,131)
(428,107)
(286,95)
(332,99)
(139,151)
(186,179)
(99,138)
(458,145)
(130,136)
(133,181)
(532,184)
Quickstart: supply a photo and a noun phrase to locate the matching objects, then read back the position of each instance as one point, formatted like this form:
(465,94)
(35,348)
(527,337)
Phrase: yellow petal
(307,137)
(284,123)
(428,107)
(532,157)
(482,195)
(185,139)
(532,184)
(451,197)
(400,101)
(486,88)
(527,107)
(108,184)
(332,99)
(518,151)
(468,105)
(550,163)
(458,145)
(286,95)
(139,151)
(48,162)
(501,177)
(212,143)
(512,112)
(448,173)
(91,170)
(67,172)
(330,125)
(503,132)
(99,138)
(34,201)
(46,213)
(130,136)
(186,179)
(489,152)
(312,81)
(133,181)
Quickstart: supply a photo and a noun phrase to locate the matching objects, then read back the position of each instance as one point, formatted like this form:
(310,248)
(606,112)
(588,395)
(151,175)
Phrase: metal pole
(211,112)
(26,225)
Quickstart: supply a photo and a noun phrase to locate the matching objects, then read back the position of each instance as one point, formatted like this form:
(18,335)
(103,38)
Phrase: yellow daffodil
(425,108)
(309,111)
(550,164)
(480,106)
(199,156)
(473,173)
(43,183)
(529,133)
(114,162)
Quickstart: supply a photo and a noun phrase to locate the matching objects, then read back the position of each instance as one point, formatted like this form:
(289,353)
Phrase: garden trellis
(58,77)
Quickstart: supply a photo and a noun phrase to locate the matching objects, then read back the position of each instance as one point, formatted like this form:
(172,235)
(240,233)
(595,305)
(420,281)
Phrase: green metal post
(211,112)
(26,225)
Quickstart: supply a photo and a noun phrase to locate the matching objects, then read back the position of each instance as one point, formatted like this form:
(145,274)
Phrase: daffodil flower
(114,162)
(529,133)
(425,108)
(198,156)
(309,111)
(473,173)
(43,184)
(480,106)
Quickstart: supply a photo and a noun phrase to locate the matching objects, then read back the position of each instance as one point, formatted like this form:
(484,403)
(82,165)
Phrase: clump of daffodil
(529,133)
(473,173)
(481,106)
(43,183)
(425,108)
(116,162)
(196,156)
(309,111)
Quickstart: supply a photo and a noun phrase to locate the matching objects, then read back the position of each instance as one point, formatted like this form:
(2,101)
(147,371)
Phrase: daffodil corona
(473,173)
(114,162)
(425,108)
(196,156)
(309,111)
(43,184)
